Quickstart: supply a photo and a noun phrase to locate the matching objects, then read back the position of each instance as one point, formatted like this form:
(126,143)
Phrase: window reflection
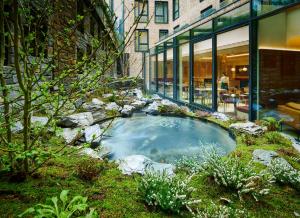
(183,73)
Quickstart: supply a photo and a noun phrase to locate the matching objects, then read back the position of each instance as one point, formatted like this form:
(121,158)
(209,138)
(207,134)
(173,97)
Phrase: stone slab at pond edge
(140,164)
(248,128)
(77,120)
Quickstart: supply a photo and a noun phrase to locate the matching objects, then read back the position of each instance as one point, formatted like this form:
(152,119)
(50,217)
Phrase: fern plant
(64,208)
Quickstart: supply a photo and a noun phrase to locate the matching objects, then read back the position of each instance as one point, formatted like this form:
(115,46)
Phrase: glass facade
(279,67)
(152,71)
(202,77)
(233,72)
(183,72)
(243,66)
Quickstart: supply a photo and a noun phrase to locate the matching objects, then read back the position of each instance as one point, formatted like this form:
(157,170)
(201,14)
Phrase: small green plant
(169,193)
(271,123)
(275,138)
(64,208)
(284,173)
(88,169)
(248,139)
(190,164)
(217,211)
(235,175)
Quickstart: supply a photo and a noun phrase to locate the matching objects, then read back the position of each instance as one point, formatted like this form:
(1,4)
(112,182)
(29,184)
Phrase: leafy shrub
(190,164)
(88,169)
(233,174)
(284,173)
(248,139)
(169,193)
(271,123)
(275,138)
(74,208)
(215,211)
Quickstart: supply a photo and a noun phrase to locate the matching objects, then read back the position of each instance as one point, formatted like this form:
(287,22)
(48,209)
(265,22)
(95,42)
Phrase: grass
(116,195)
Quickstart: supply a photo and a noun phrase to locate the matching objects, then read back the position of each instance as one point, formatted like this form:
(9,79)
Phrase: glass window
(161,12)
(175,9)
(141,40)
(153,73)
(169,74)
(163,33)
(264,6)
(141,10)
(203,73)
(233,72)
(233,17)
(160,73)
(203,29)
(183,72)
(279,68)
(147,72)
(207,11)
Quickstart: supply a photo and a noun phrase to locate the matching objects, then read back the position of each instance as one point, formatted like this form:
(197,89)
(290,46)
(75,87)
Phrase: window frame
(176,13)
(137,40)
(165,31)
(138,13)
(165,5)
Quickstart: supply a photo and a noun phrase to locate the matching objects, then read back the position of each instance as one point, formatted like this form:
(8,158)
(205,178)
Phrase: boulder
(127,110)
(91,153)
(99,116)
(153,108)
(77,120)
(70,135)
(138,93)
(140,164)
(220,116)
(41,121)
(112,106)
(156,97)
(78,103)
(248,128)
(295,142)
(17,127)
(95,105)
(138,104)
(168,103)
(264,156)
(93,135)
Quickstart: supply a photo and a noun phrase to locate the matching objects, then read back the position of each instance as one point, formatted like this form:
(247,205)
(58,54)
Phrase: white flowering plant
(190,164)
(170,193)
(284,173)
(235,175)
(220,211)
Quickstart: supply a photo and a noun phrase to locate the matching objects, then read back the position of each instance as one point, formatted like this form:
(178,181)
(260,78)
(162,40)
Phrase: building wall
(189,12)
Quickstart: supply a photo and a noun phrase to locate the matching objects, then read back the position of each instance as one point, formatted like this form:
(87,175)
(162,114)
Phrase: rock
(99,116)
(95,105)
(112,106)
(168,103)
(93,134)
(220,116)
(127,110)
(264,156)
(17,127)
(91,153)
(138,93)
(153,108)
(78,103)
(41,121)
(104,152)
(156,97)
(70,135)
(138,104)
(107,95)
(295,143)
(76,120)
(96,101)
(140,164)
(248,127)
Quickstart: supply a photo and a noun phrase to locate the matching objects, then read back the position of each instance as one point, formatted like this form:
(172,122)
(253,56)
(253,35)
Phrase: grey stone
(168,103)
(138,104)
(156,97)
(99,116)
(76,120)
(153,108)
(91,153)
(107,95)
(263,156)
(93,134)
(127,110)
(41,121)
(70,135)
(17,127)
(140,164)
(220,116)
(295,143)
(78,103)
(249,128)
(96,101)
(112,106)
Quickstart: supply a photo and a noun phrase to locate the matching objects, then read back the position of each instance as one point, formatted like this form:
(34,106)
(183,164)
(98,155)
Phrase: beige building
(158,19)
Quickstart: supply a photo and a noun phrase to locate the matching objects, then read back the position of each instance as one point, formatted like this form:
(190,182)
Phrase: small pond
(165,139)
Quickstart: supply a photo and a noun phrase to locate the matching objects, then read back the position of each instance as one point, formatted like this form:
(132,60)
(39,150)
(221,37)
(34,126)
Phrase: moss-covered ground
(116,195)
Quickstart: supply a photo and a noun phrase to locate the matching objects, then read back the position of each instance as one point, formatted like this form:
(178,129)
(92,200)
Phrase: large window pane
(203,29)
(147,72)
(153,73)
(233,72)
(169,74)
(161,12)
(183,73)
(141,40)
(160,72)
(279,67)
(264,6)
(203,73)
(141,10)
